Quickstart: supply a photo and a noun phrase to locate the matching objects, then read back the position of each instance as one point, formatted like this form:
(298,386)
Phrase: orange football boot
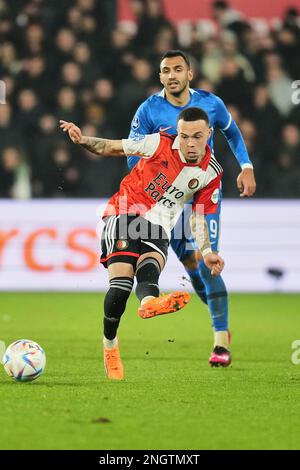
(112,363)
(164,304)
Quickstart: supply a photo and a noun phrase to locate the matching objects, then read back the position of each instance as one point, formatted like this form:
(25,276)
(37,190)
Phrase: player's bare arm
(200,232)
(246,182)
(96,145)
(103,147)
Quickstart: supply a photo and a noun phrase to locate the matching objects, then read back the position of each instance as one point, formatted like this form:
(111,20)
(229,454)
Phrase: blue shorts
(183,243)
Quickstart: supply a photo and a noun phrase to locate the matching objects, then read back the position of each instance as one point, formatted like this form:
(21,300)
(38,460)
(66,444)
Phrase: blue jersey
(156,114)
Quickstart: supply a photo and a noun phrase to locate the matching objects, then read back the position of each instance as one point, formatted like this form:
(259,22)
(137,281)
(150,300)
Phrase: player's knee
(117,296)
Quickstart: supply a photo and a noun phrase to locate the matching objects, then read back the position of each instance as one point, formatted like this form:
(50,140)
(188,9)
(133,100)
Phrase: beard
(182,88)
(192,159)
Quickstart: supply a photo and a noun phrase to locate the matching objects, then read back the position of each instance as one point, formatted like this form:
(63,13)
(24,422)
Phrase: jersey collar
(204,162)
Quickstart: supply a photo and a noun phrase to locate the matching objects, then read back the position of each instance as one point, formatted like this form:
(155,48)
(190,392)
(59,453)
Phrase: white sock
(221,339)
(146,299)
(110,343)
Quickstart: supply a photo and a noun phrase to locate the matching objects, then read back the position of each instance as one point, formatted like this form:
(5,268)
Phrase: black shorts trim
(118,245)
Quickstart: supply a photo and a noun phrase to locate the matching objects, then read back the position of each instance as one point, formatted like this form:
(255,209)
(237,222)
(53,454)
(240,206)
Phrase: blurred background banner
(190,9)
(51,245)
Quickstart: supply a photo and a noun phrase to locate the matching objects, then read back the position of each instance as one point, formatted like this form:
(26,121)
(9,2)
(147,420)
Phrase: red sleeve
(206,200)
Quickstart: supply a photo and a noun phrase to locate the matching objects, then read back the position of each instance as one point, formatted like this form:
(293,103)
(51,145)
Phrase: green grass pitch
(171,399)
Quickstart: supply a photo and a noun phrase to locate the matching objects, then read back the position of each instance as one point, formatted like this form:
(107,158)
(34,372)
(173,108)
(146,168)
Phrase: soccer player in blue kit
(159,114)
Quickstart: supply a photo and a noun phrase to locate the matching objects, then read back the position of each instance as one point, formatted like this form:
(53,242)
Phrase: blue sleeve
(232,133)
(140,125)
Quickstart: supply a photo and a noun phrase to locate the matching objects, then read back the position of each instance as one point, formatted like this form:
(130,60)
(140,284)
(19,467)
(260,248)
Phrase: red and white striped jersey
(162,182)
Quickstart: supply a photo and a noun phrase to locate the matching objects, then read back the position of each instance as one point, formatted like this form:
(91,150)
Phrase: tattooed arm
(103,146)
(95,145)
(145,147)
(199,230)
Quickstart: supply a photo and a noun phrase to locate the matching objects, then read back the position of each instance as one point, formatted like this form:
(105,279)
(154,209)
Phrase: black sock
(115,304)
(147,275)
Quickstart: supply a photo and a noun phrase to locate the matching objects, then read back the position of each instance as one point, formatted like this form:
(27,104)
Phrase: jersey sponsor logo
(215,196)
(122,244)
(159,188)
(193,183)
(164,129)
(135,123)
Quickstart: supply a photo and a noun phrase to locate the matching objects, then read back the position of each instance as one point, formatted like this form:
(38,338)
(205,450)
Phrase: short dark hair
(193,114)
(176,53)
(220,5)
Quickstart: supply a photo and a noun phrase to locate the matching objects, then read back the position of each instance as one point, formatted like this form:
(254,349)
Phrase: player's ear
(190,75)
(160,78)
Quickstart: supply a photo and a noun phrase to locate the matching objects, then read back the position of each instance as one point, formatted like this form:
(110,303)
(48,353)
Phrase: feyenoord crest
(193,183)
(122,244)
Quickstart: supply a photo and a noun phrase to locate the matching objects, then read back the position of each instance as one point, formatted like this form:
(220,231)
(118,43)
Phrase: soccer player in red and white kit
(140,217)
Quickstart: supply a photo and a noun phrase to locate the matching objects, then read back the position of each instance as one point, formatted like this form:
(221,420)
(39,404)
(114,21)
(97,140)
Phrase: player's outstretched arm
(246,182)
(246,179)
(102,147)
(199,230)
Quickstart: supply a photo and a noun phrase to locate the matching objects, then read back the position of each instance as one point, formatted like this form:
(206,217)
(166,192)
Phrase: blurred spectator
(88,63)
(101,175)
(9,62)
(71,74)
(150,19)
(224,14)
(233,87)
(15,174)
(288,44)
(8,133)
(64,42)
(44,144)
(279,83)
(34,40)
(211,58)
(67,106)
(63,176)
(166,39)
(120,57)
(290,143)
(267,119)
(29,111)
(133,92)
(286,176)
(34,76)
(216,54)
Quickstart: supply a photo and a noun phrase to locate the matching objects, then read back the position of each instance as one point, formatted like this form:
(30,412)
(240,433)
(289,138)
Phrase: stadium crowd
(73,61)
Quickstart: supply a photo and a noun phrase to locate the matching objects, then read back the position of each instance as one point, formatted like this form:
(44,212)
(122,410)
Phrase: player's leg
(154,249)
(120,286)
(217,299)
(214,287)
(119,256)
(149,267)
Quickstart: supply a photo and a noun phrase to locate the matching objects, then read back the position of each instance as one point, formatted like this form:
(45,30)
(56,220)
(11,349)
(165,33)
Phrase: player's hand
(215,263)
(73,130)
(246,182)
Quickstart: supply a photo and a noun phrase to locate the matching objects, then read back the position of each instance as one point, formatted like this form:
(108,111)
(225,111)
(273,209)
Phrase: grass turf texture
(171,398)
